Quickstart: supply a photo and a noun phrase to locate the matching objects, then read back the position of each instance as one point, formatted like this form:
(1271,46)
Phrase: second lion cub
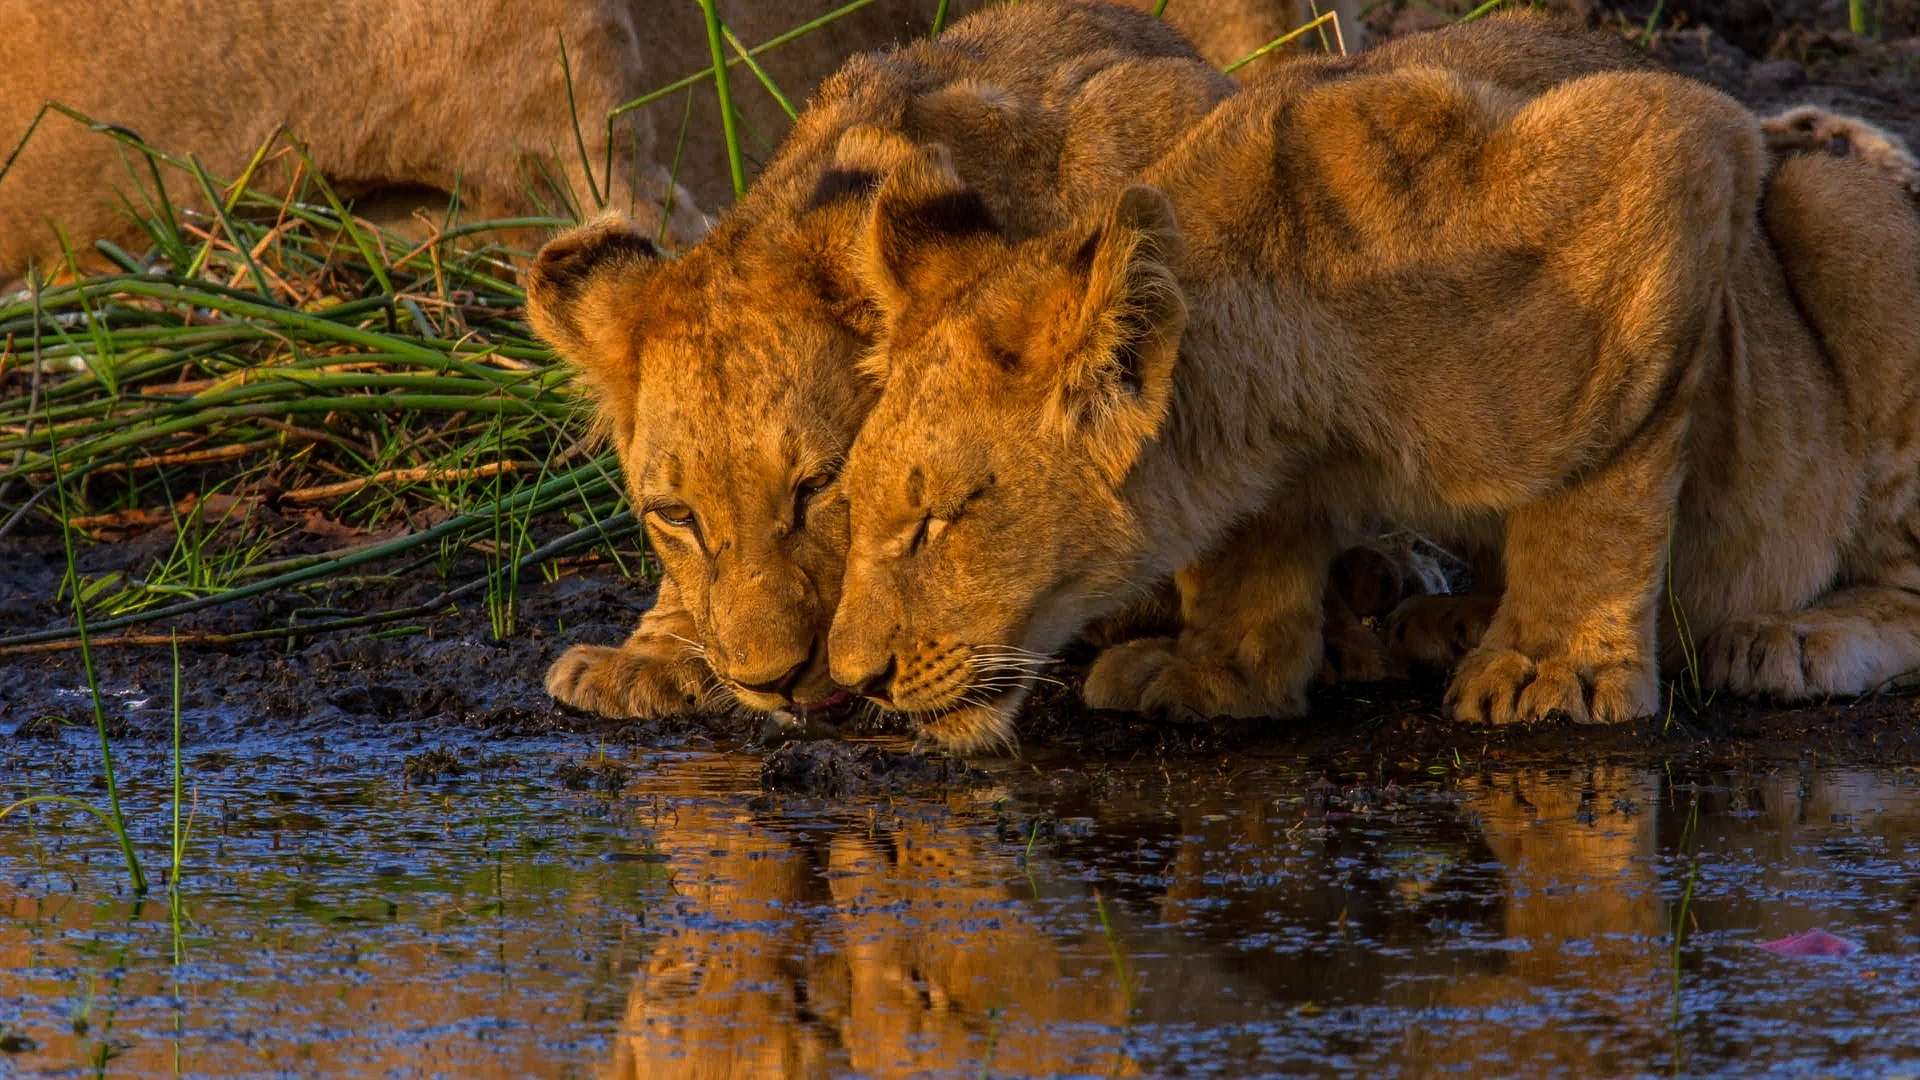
(1413,296)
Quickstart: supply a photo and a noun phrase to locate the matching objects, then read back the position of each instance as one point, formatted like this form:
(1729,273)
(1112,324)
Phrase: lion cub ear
(580,299)
(1115,382)
(923,232)
(861,159)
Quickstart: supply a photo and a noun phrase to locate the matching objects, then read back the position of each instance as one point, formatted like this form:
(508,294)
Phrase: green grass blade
(771,43)
(117,820)
(1283,39)
(240,247)
(723,87)
(761,74)
(579,137)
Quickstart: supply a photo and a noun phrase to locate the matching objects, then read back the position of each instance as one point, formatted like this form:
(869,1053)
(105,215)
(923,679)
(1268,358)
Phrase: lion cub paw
(1803,655)
(1810,129)
(1151,676)
(1354,654)
(628,682)
(1504,686)
(1432,633)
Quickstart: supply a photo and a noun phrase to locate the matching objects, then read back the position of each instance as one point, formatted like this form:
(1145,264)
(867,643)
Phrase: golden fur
(774,284)
(1432,631)
(1558,322)
(410,93)
(1048,107)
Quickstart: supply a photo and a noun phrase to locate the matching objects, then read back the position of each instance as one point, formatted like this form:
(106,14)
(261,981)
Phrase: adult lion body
(417,94)
(1048,106)
(448,96)
(1555,323)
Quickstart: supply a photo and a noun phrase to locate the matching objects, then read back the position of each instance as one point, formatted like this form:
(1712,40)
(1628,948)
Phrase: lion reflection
(888,952)
(1531,907)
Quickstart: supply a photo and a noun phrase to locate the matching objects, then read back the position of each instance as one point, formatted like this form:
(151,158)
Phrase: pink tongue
(831,701)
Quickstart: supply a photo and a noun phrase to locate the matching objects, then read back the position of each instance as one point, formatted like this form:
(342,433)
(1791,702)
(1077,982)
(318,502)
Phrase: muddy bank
(447,676)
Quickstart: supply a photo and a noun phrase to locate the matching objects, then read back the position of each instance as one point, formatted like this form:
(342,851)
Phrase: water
(1248,915)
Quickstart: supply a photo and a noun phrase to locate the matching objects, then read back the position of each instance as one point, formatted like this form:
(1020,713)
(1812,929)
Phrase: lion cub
(728,377)
(1414,296)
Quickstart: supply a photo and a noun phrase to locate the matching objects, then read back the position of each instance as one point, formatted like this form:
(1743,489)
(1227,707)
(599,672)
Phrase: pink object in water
(1811,943)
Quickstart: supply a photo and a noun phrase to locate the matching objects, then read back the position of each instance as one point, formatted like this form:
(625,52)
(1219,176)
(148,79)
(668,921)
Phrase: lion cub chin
(1412,296)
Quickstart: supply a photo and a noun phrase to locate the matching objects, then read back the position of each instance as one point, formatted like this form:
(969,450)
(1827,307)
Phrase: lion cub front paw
(1151,676)
(628,681)
(1504,686)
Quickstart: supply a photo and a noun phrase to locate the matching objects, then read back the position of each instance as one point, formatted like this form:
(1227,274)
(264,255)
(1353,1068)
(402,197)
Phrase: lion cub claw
(1504,686)
(629,680)
(1807,654)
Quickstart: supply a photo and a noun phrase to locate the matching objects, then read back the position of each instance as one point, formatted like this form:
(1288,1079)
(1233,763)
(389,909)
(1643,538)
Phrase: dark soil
(450,675)
(1770,54)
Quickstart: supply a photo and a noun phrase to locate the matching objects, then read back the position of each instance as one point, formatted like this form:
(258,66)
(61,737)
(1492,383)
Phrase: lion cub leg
(659,671)
(1432,633)
(1849,247)
(1369,583)
(1574,632)
(1250,640)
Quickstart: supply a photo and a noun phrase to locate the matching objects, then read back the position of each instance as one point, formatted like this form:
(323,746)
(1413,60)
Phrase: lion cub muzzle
(961,698)
(769,672)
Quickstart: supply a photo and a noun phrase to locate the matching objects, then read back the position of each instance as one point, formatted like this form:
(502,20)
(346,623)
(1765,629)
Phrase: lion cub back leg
(1849,643)
(1849,243)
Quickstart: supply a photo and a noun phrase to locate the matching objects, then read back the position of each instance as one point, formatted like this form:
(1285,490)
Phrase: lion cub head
(986,489)
(728,384)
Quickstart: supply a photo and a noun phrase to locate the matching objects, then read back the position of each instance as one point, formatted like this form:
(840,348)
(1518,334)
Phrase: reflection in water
(1200,917)
(889,952)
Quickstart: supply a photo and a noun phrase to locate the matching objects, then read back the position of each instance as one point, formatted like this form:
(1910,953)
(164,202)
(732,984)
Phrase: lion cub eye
(927,532)
(804,493)
(675,515)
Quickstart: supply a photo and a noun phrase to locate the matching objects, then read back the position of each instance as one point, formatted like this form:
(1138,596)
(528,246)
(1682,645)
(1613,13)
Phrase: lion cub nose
(878,687)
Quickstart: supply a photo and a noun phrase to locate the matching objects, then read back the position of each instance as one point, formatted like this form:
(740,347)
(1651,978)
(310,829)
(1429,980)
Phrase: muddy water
(1248,915)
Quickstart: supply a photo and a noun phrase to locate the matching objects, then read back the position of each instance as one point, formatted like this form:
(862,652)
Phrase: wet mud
(448,676)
